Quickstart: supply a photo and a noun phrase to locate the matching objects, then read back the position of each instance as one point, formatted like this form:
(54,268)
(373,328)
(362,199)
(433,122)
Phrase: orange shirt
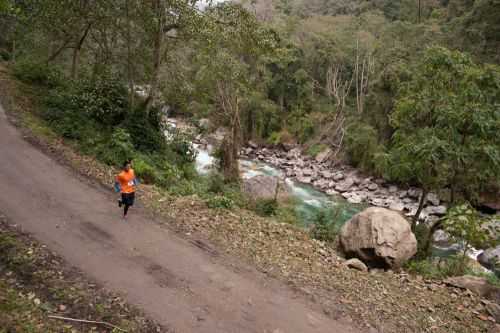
(126,180)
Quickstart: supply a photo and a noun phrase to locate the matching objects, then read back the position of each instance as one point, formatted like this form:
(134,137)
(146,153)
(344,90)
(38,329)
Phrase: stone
(288,146)
(414,193)
(356,264)
(322,184)
(478,285)
(441,238)
(490,258)
(264,187)
(433,199)
(355,199)
(345,185)
(338,176)
(435,210)
(204,123)
(393,189)
(379,202)
(403,194)
(327,174)
(407,200)
(379,237)
(253,145)
(307,172)
(373,187)
(304,180)
(397,206)
(323,156)
(294,153)
(332,192)
(494,310)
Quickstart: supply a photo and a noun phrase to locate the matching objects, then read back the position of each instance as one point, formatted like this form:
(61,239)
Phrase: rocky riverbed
(348,182)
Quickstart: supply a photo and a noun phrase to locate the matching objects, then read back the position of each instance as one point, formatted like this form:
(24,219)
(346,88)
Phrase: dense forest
(408,90)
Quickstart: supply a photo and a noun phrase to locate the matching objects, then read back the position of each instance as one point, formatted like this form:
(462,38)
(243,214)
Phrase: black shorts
(128,198)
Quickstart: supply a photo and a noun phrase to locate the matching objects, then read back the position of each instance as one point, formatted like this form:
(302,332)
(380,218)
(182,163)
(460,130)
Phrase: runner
(125,184)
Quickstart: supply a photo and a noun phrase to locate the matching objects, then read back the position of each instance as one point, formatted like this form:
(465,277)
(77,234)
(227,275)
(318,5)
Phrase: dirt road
(181,284)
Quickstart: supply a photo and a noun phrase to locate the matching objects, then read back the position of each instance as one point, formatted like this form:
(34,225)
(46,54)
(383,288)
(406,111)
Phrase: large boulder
(478,285)
(264,187)
(491,259)
(379,237)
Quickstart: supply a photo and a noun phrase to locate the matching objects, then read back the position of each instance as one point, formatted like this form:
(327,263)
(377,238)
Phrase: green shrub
(118,149)
(4,55)
(322,230)
(266,207)
(103,98)
(314,150)
(286,213)
(439,268)
(145,171)
(180,145)
(220,202)
(216,183)
(146,130)
(362,145)
(29,71)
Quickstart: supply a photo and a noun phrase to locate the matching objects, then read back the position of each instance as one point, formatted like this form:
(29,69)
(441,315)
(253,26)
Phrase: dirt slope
(186,286)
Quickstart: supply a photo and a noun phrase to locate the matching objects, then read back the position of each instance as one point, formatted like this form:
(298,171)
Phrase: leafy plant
(118,149)
(324,230)
(316,149)
(266,207)
(145,171)
(464,224)
(220,201)
(446,125)
(35,72)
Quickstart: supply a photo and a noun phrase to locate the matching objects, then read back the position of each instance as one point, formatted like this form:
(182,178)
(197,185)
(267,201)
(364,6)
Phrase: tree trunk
(420,208)
(14,49)
(77,50)
(430,236)
(419,11)
(157,52)
(130,75)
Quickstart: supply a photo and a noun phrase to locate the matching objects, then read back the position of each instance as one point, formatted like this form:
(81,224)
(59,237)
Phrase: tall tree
(446,124)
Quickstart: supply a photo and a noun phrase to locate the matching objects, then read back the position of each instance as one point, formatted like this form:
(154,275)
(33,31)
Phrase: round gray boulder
(379,237)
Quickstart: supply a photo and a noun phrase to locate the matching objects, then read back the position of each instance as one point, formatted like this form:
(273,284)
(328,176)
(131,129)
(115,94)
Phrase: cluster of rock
(346,182)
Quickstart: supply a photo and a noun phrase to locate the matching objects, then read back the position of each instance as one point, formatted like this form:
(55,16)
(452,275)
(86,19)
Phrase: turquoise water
(309,201)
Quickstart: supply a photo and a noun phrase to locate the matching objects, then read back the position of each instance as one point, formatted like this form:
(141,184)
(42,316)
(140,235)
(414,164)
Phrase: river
(309,202)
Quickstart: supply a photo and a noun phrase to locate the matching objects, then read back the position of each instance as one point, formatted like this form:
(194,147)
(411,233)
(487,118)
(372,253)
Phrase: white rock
(355,199)
(433,199)
(397,206)
(414,193)
(393,189)
(338,176)
(435,210)
(345,185)
(356,264)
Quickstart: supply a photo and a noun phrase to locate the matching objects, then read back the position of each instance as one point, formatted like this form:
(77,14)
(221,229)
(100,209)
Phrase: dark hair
(126,163)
